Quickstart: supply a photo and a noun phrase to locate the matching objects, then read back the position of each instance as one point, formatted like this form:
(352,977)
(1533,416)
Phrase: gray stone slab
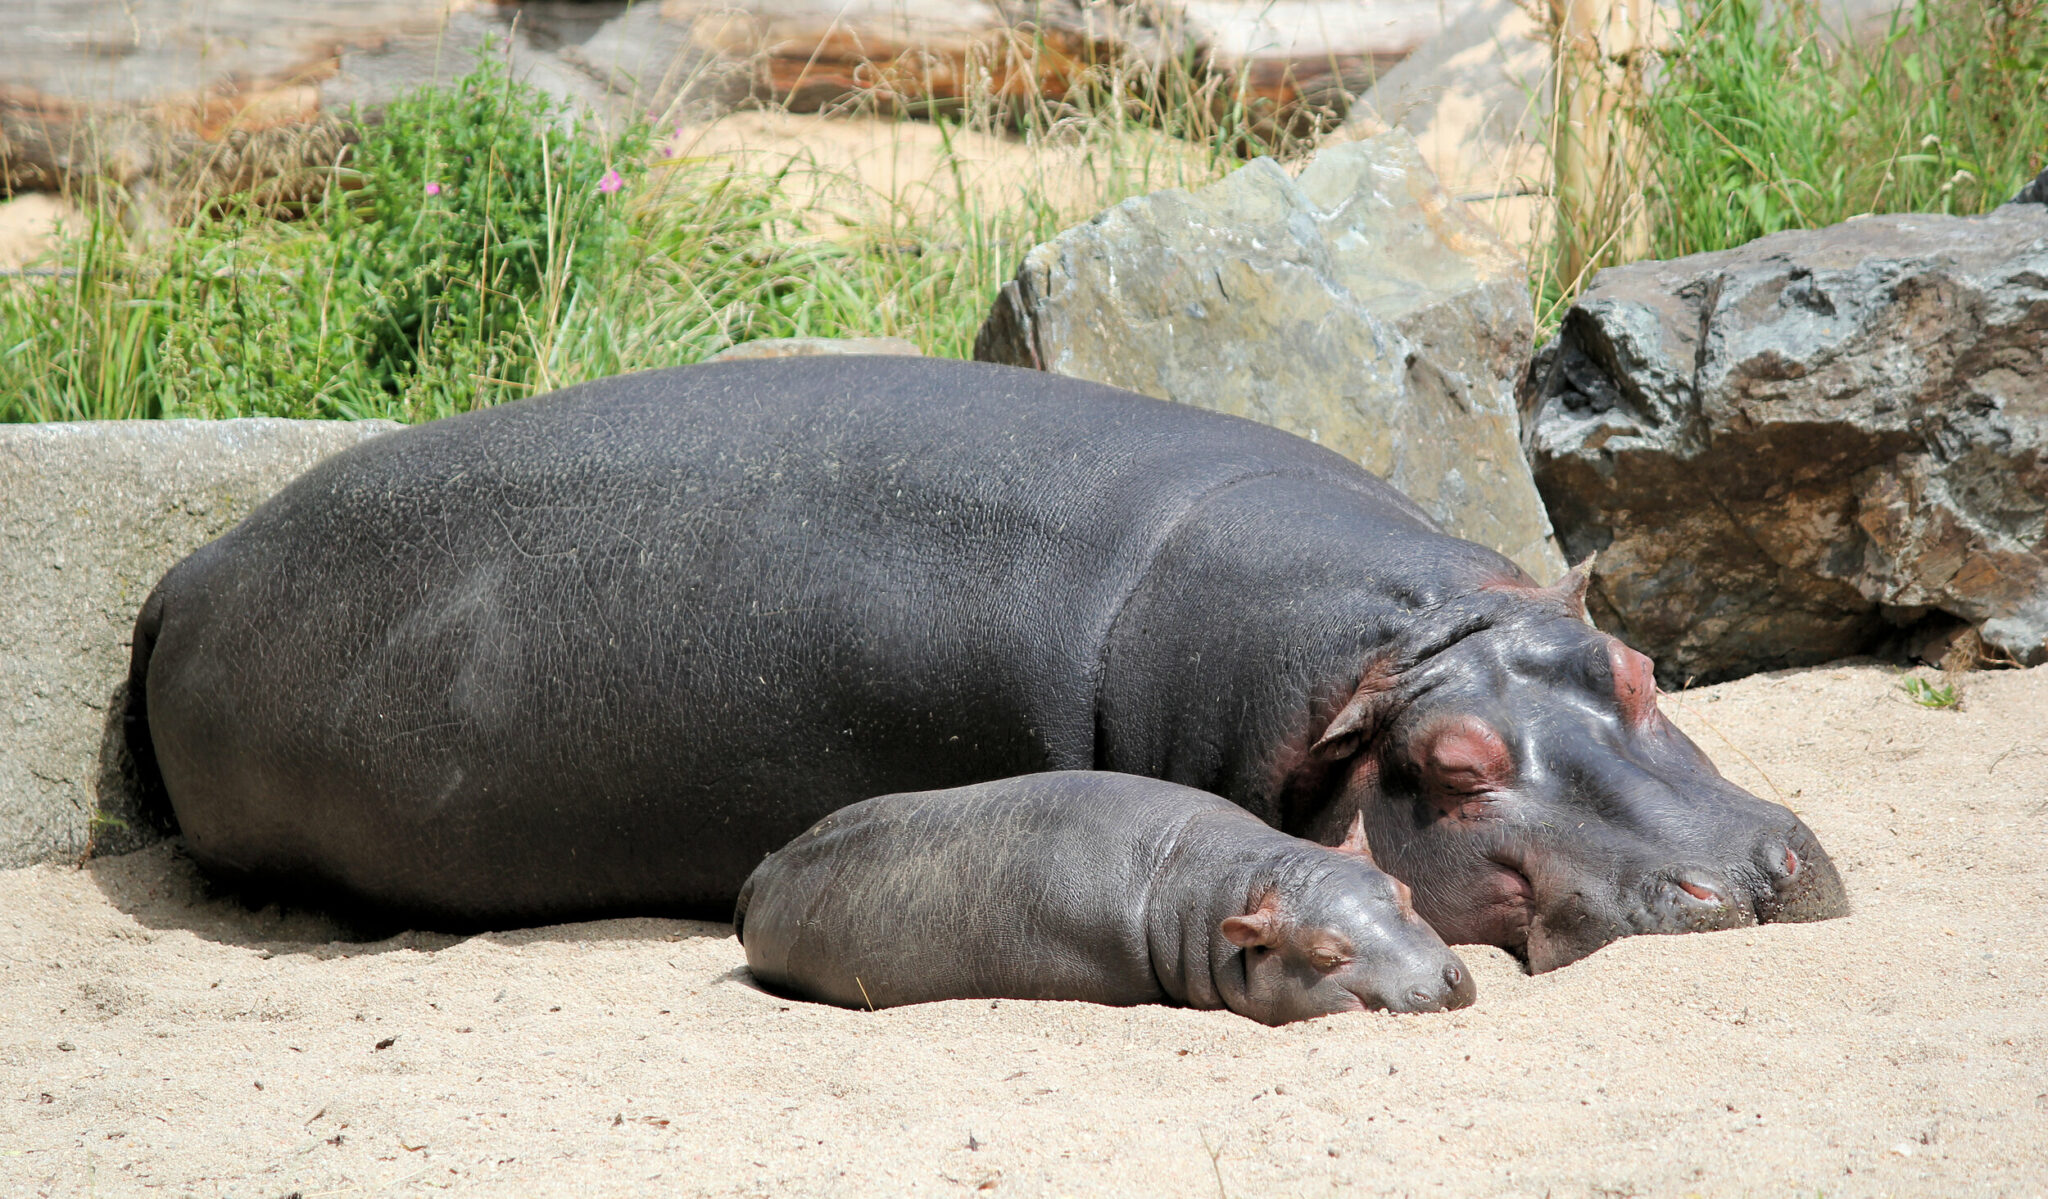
(91,515)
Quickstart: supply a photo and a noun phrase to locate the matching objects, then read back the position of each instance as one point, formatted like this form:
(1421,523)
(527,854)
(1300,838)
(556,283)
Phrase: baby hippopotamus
(1087,885)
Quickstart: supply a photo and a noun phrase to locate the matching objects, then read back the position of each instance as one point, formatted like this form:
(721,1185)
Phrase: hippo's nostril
(1703,894)
(1424,1001)
(1453,976)
(1791,863)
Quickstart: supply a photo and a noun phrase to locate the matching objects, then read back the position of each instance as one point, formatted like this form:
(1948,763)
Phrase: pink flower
(433,189)
(610,183)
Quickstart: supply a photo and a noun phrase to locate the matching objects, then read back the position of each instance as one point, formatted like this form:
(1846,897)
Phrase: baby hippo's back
(1073,885)
(1027,888)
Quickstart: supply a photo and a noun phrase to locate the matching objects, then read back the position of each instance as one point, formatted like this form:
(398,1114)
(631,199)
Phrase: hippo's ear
(1572,587)
(1355,842)
(1357,718)
(1260,926)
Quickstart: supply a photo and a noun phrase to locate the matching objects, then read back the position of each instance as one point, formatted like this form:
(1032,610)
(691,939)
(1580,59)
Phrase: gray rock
(2035,192)
(655,60)
(1475,97)
(805,347)
(1356,305)
(1790,451)
(91,515)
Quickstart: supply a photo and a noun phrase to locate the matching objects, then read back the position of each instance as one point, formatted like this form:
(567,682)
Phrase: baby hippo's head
(1339,935)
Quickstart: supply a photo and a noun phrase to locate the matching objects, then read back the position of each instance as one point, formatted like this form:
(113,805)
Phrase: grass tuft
(476,244)
(1928,695)
(1763,120)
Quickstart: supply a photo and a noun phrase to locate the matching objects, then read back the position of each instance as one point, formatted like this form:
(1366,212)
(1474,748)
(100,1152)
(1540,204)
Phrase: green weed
(412,287)
(1927,695)
(1763,126)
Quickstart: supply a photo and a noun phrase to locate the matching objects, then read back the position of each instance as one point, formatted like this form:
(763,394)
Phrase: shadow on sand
(161,888)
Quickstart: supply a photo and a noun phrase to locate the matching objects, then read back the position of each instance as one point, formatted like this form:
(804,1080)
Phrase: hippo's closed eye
(1462,761)
(1327,957)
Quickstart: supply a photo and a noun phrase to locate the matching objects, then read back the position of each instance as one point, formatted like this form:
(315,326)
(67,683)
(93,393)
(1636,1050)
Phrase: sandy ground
(862,175)
(156,1040)
(28,227)
(856,177)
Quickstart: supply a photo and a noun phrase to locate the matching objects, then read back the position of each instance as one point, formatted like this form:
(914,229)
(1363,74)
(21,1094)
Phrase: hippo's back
(604,649)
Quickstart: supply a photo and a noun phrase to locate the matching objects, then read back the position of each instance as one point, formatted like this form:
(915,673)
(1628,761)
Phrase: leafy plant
(425,280)
(1927,695)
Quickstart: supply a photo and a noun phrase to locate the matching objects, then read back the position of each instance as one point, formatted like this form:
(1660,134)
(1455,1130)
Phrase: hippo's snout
(1782,876)
(1804,884)
(1788,878)
(1447,990)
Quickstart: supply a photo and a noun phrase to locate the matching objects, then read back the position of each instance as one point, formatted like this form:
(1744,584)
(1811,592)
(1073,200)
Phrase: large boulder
(1476,98)
(91,515)
(1356,305)
(1795,450)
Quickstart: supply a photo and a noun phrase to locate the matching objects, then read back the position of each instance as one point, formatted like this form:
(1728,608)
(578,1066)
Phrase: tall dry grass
(1756,116)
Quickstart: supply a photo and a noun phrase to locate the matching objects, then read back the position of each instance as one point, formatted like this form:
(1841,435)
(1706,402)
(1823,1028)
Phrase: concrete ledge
(91,515)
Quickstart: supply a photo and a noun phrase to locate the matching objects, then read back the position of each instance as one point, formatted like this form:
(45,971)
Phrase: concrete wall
(91,515)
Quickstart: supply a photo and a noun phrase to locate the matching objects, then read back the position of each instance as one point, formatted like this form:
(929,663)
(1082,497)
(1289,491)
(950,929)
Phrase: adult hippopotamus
(603,650)
(1087,885)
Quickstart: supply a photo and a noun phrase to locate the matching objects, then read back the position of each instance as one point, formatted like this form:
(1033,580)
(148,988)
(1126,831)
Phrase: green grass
(476,246)
(1759,126)
(1763,126)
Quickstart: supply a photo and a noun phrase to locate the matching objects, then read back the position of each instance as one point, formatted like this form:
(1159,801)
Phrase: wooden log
(1602,48)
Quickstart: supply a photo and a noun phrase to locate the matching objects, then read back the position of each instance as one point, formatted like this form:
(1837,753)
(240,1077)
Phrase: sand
(157,1040)
(28,227)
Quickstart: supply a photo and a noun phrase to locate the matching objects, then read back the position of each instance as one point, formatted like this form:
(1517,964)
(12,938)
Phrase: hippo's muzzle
(1786,878)
(1805,885)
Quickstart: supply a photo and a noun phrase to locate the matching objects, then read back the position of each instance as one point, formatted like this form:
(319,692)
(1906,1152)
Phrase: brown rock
(1788,452)
(897,55)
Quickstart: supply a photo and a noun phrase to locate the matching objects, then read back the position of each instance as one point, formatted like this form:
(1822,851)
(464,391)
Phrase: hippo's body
(603,650)
(1089,886)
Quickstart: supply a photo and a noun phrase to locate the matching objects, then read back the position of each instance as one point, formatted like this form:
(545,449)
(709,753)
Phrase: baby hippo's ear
(1354,840)
(1260,926)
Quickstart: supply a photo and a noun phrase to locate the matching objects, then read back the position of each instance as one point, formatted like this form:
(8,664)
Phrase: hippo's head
(1337,934)
(1519,772)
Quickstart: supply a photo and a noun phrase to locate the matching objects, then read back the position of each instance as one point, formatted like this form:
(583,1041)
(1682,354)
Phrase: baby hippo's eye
(1325,958)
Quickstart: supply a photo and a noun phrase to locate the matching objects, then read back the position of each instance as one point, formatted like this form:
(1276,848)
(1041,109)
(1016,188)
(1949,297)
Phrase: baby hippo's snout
(1449,989)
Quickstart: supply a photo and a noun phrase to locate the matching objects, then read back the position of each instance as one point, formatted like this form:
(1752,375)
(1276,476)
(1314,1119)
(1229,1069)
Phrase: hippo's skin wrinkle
(1091,886)
(603,650)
